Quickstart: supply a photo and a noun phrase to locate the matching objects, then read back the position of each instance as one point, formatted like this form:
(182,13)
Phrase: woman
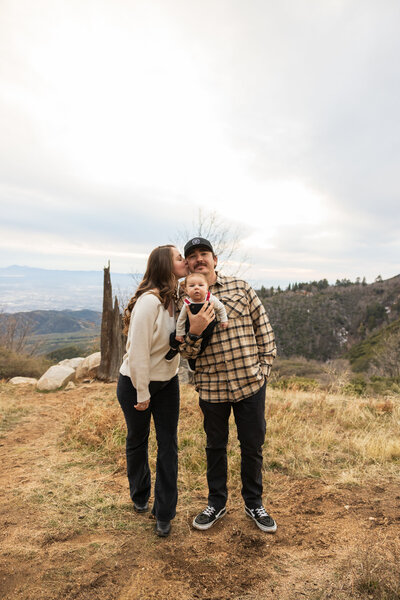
(148,385)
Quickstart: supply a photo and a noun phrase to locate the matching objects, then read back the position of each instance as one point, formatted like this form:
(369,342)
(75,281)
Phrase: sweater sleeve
(181,322)
(141,330)
(220,310)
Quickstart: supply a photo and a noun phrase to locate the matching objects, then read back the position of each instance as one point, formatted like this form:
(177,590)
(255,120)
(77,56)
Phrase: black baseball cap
(197,242)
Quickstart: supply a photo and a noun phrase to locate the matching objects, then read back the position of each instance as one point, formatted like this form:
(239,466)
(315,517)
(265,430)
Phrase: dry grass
(12,407)
(338,438)
(376,571)
(97,428)
(97,425)
(372,572)
(70,517)
(13,364)
(70,503)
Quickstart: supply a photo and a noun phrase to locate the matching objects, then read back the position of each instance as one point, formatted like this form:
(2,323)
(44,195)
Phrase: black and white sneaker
(208,517)
(261,519)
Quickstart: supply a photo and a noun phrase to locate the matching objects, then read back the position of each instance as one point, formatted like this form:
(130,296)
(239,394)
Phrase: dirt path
(49,554)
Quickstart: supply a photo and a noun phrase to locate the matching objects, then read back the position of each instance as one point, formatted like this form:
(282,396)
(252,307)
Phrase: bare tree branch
(15,331)
(225,239)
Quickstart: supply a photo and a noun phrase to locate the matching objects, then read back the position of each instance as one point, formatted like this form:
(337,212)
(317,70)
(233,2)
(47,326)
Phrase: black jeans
(164,406)
(249,416)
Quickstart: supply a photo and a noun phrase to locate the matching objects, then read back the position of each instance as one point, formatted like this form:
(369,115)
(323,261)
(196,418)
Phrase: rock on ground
(23,380)
(88,367)
(71,362)
(55,378)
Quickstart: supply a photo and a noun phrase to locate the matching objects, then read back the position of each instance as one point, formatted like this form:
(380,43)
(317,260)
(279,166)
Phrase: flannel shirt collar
(220,279)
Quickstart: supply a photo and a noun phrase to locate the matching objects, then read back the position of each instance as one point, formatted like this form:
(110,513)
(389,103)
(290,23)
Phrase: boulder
(88,367)
(55,378)
(23,381)
(71,362)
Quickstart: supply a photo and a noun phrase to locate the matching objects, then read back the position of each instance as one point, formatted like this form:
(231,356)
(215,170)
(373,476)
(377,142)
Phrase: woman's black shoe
(141,508)
(163,528)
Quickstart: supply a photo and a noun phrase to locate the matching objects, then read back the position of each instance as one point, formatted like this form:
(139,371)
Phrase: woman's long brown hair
(159,275)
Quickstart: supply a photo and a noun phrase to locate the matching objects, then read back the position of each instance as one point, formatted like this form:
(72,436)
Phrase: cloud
(120,120)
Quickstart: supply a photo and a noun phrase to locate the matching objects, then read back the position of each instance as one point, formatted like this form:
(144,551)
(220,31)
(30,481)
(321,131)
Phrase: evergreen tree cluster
(312,286)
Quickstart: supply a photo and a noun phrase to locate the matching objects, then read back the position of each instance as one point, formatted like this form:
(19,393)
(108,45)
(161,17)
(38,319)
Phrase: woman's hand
(143,405)
(199,322)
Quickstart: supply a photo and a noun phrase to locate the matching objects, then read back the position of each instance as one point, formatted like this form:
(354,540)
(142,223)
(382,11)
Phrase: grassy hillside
(324,323)
(366,353)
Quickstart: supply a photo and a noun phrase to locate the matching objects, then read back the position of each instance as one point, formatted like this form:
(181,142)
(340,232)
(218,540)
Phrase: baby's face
(197,288)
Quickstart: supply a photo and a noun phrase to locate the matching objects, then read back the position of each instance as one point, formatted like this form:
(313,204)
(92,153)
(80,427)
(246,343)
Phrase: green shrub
(357,385)
(304,384)
(384,385)
(298,366)
(72,351)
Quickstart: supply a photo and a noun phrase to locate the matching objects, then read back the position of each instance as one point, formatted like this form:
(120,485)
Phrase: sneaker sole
(221,514)
(264,528)
(140,509)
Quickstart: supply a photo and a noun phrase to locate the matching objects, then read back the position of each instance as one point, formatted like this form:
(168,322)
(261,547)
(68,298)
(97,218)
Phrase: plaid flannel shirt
(238,359)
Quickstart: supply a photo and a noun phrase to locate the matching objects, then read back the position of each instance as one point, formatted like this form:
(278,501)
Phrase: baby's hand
(224,325)
(179,338)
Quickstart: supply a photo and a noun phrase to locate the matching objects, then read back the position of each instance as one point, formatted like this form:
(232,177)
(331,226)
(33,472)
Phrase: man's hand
(224,325)
(199,322)
(142,405)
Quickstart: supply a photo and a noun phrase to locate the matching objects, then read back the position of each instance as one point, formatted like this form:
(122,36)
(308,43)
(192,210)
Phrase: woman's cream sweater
(147,344)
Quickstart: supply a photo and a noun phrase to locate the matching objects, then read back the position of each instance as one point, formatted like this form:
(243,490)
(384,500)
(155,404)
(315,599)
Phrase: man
(231,374)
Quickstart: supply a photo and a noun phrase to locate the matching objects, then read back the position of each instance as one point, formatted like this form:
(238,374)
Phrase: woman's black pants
(164,406)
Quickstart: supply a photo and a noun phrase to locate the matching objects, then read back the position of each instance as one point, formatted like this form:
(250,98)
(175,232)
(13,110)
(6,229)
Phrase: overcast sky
(120,119)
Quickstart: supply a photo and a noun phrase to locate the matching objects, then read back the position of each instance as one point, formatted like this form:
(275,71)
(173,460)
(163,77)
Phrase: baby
(196,287)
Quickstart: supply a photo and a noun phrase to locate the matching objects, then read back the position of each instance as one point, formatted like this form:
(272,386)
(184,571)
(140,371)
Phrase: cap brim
(198,247)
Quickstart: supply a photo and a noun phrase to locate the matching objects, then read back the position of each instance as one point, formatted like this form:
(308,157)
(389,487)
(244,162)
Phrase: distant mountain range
(28,288)
(45,331)
(43,322)
(313,320)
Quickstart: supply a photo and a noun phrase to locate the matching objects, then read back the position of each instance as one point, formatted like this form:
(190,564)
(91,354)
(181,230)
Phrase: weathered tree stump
(111,339)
